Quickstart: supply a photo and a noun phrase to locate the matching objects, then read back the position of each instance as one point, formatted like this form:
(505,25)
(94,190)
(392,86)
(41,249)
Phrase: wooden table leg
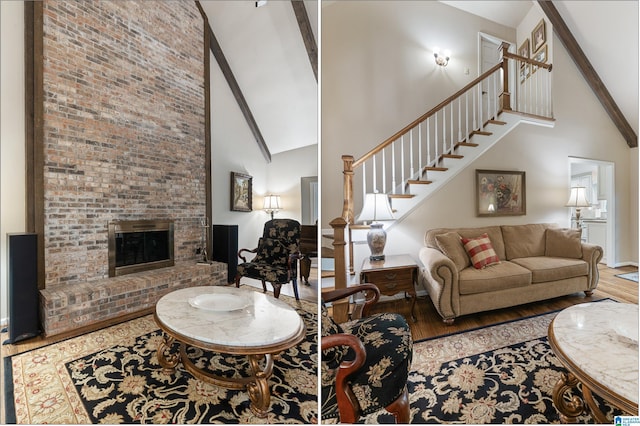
(569,410)
(167,360)
(258,389)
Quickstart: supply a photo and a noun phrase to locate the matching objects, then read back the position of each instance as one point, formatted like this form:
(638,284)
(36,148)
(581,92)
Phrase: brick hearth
(68,307)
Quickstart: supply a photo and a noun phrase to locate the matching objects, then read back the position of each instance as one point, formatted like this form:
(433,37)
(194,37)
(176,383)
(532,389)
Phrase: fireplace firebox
(139,245)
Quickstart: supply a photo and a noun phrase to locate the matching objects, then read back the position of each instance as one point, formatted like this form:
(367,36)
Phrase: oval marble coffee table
(231,321)
(598,345)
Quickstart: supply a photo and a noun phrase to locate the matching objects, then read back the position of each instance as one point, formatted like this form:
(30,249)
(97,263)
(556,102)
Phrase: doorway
(598,221)
(309,199)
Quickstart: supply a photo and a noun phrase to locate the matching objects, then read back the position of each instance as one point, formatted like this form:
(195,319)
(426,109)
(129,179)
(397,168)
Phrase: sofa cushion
(544,269)
(563,243)
(451,245)
(502,276)
(524,240)
(494,232)
(480,251)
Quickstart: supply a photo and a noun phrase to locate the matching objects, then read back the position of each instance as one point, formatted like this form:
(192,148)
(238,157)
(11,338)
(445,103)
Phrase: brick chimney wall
(123,127)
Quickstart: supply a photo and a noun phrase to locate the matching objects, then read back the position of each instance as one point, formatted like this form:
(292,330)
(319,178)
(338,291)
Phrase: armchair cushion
(382,379)
(271,262)
(332,357)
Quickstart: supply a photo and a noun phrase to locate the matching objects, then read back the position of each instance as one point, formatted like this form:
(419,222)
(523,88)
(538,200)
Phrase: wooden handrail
(527,60)
(447,101)
(423,117)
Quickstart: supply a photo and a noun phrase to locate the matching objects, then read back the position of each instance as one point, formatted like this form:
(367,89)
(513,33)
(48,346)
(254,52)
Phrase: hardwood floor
(429,323)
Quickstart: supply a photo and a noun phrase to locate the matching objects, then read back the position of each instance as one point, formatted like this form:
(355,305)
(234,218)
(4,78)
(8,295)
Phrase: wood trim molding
(591,76)
(34,127)
(235,88)
(207,123)
(307,34)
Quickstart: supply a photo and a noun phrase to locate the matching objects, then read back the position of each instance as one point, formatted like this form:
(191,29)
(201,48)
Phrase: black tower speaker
(225,248)
(22,264)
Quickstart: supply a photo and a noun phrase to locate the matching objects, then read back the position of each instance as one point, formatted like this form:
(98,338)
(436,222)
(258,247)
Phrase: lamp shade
(376,207)
(578,197)
(272,202)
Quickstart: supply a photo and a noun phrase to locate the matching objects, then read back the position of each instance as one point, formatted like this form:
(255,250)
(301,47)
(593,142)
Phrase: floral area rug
(500,374)
(113,376)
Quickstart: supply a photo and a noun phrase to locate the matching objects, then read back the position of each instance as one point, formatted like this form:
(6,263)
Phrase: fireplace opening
(139,245)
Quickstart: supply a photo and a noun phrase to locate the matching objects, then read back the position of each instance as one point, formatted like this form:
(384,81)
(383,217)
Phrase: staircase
(421,158)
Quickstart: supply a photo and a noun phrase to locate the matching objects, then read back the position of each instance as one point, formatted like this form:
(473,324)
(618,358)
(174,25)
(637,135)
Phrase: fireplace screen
(139,245)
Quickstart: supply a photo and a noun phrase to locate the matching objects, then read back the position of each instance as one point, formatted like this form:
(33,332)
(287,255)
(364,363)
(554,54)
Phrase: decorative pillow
(481,251)
(451,245)
(564,243)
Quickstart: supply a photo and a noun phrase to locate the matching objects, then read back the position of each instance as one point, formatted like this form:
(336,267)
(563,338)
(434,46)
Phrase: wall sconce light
(442,59)
(261,3)
(578,199)
(272,204)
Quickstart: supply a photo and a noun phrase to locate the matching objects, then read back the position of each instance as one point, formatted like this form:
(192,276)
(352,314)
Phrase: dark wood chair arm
(372,295)
(348,405)
(241,256)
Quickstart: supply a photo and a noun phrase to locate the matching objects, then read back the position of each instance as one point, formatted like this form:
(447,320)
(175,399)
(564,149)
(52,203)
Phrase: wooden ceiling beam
(307,34)
(235,89)
(582,62)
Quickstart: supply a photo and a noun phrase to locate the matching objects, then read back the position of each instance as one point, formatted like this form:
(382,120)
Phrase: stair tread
(498,122)
(419,182)
(471,144)
(457,156)
(481,132)
(436,169)
(401,195)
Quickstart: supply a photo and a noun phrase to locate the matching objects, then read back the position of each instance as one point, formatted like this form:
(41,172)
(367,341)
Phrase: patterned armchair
(365,362)
(275,258)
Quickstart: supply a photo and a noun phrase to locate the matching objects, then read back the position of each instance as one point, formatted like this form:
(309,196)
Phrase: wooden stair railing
(407,158)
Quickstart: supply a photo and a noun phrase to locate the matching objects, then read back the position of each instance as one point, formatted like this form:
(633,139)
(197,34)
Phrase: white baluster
(401,164)
(435,136)
(451,132)
(428,142)
(364,181)
(466,121)
(411,169)
(373,166)
(473,93)
(384,170)
(420,147)
(459,119)
(393,167)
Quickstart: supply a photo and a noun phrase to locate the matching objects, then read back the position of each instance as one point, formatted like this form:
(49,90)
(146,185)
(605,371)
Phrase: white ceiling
(607,32)
(269,60)
(267,55)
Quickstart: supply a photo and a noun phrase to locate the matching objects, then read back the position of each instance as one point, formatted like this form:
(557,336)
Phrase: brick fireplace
(124,139)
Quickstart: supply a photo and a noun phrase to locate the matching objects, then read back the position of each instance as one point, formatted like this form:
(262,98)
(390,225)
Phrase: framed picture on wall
(500,193)
(524,51)
(540,56)
(538,36)
(241,192)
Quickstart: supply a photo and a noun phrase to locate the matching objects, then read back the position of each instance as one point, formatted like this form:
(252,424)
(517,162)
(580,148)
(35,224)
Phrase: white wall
(354,120)
(12,151)
(379,74)
(234,149)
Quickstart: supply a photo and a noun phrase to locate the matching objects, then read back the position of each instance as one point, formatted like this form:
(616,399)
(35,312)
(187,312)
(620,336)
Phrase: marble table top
(601,339)
(228,316)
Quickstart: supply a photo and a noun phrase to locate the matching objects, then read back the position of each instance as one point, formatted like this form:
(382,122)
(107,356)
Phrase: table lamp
(272,204)
(376,208)
(578,199)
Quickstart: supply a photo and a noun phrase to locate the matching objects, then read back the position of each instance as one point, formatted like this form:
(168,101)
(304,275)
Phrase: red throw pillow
(480,251)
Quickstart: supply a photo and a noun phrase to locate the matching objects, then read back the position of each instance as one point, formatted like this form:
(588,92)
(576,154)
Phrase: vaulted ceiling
(267,55)
(607,32)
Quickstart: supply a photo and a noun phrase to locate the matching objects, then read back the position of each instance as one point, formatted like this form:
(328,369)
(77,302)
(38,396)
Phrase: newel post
(340,307)
(505,96)
(347,190)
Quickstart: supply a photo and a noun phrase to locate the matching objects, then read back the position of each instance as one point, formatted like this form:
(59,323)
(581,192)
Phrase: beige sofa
(536,262)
